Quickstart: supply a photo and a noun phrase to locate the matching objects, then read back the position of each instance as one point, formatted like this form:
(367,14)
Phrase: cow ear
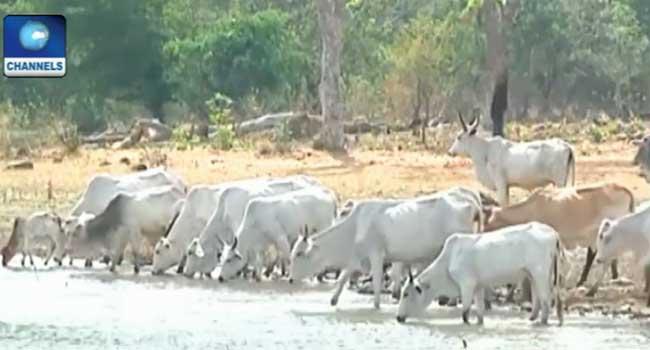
(199,251)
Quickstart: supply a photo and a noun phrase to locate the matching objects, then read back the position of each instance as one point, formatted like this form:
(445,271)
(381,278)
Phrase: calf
(468,264)
(127,218)
(38,226)
(630,233)
(276,220)
(575,213)
(501,164)
(409,231)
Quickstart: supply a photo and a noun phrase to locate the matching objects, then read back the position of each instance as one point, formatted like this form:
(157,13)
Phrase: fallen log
(23,164)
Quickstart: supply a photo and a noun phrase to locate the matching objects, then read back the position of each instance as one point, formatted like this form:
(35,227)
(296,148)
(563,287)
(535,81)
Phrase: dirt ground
(361,174)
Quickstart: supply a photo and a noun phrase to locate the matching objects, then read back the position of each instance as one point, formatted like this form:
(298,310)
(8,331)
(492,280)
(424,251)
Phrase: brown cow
(576,213)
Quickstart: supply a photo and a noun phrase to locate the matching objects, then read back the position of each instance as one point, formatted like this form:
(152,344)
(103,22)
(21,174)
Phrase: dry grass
(384,166)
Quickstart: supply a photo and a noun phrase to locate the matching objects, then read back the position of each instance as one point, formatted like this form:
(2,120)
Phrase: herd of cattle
(458,245)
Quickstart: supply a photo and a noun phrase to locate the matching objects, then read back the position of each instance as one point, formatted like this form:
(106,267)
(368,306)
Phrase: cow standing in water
(40,226)
(469,263)
(127,219)
(103,187)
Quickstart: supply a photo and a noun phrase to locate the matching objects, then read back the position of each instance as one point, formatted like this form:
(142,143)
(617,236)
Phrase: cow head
(306,257)
(164,256)
(233,262)
(413,299)
(642,157)
(194,258)
(9,251)
(463,142)
(608,242)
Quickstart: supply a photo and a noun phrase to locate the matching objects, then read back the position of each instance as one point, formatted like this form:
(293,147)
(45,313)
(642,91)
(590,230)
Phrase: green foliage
(237,55)
(221,116)
(264,55)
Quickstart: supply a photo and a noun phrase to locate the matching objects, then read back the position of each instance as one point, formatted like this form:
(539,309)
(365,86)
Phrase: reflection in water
(79,309)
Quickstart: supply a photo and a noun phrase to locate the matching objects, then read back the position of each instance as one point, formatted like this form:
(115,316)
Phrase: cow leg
(536,306)
(343,279)
(614,268)
(71,261)
(510,297)
(647,278)
(50,253)
(136,260)
(599,280)
(88,263)
(466,296)
(181,264)
(480,305)
(396,276)
(284,254)
(22,261)
(526,292)
(377,270)
(585,272)
(31,259)
(503,192)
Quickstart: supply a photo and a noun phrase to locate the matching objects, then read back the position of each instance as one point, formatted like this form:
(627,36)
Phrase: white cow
(103,187)
(469,263)
(199,206)
(276,220)
(630,233)
(40,226)
(127,219)
(227,216)
(463,194)
(410,231)
(501,164)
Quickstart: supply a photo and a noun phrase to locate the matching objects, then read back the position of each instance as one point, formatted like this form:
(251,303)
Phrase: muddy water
(77,309)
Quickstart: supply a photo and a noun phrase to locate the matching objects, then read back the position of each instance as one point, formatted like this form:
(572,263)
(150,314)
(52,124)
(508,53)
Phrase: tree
(330,20)
(496,17)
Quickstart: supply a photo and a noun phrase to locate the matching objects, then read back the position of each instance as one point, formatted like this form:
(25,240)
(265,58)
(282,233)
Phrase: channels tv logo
(34,46)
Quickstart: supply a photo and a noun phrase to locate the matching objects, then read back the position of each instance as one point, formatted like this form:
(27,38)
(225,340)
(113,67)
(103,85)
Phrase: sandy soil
(361,174)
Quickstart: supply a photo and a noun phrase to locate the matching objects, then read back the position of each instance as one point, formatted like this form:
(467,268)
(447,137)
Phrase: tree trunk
(497,22)
(330,20)
(499,104)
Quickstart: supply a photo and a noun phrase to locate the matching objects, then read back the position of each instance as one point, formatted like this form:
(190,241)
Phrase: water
(73,308)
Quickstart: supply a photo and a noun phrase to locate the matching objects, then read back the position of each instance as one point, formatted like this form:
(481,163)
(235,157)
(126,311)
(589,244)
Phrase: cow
(227,216)
(409,231)
(469,263)
(576,213)
(500,164)
(40,226)
(630,233)
(127,219)
(276,220)
(199,206)
(642,157)
(103,187)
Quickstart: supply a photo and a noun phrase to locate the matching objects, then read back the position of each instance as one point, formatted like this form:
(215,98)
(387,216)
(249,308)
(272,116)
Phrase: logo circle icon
(33,35)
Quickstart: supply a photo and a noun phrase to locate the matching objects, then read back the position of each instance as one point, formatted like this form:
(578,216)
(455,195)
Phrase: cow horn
(306,232)
(475,122)
(234,244)
(462,122)
(410,276)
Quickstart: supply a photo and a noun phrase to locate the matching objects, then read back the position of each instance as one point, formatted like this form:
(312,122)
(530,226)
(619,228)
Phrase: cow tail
(558,258)
(632,205)
(571,168)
